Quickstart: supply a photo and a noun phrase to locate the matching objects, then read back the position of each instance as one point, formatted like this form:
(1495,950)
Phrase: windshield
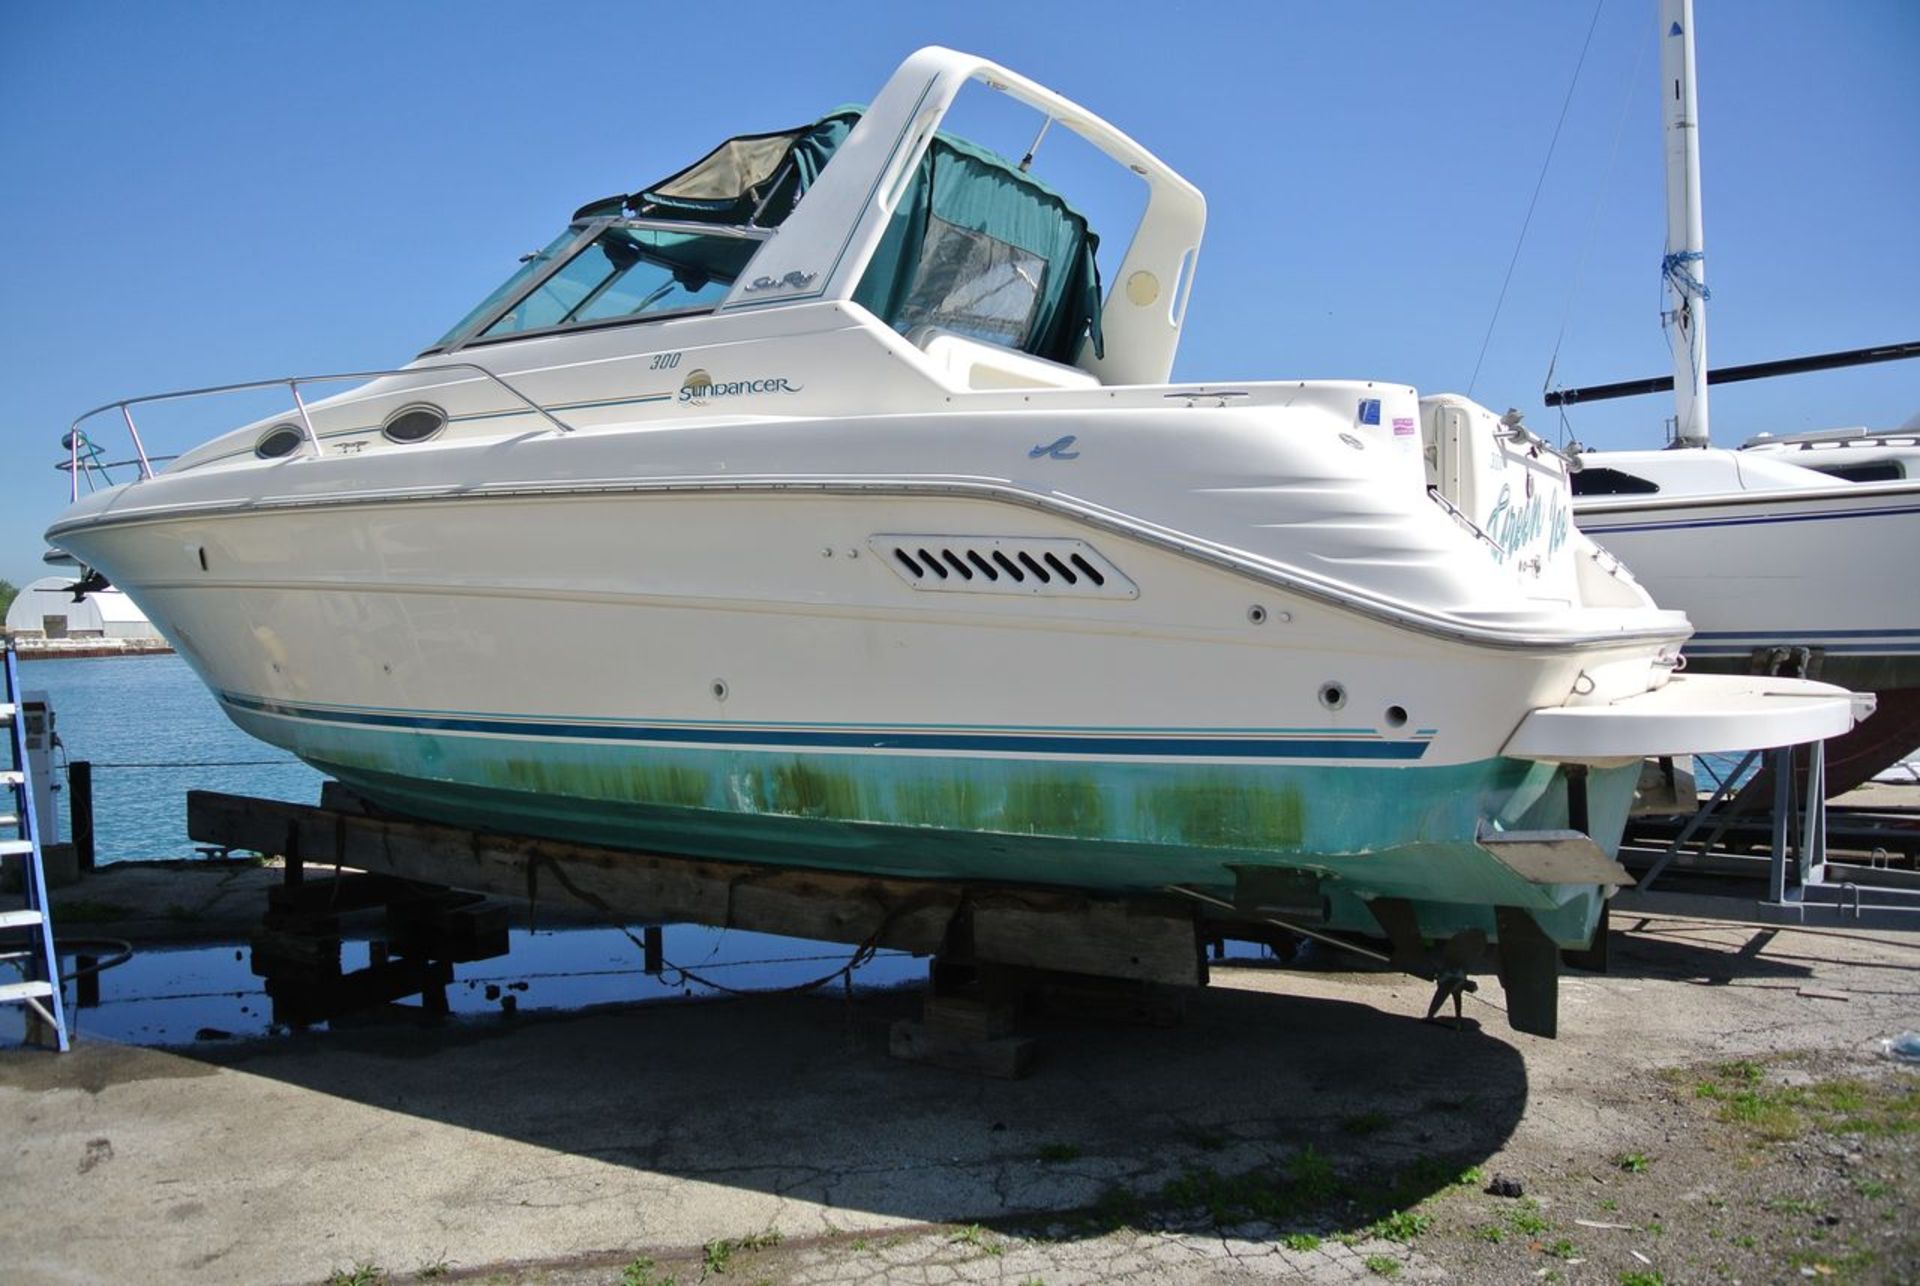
(626,272)
(531,266)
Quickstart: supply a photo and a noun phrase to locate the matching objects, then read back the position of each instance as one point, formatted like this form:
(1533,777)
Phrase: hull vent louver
(1046,565)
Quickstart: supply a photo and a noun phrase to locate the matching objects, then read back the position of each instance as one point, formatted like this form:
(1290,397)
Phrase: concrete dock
(1298,1125)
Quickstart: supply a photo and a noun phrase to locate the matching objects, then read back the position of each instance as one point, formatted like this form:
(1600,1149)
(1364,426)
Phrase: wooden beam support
(1149,939)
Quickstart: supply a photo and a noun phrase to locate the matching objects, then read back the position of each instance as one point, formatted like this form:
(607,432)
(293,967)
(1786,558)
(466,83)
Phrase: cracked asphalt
(579,1146)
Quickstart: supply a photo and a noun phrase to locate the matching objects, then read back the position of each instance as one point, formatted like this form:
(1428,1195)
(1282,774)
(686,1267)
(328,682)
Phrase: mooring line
(862,954)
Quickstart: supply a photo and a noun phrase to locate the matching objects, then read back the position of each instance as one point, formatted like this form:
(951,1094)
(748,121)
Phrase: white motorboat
(817,506)
(1782,568)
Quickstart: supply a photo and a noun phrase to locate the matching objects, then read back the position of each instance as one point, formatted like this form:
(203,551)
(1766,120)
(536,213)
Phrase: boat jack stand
(1447,968)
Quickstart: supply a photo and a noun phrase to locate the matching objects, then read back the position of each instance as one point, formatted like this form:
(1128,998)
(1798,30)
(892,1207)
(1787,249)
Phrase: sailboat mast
(1684,265)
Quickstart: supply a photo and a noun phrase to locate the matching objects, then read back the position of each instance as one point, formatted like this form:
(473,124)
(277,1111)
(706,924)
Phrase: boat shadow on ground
(1712,954)
(798,1098)
(1727,953)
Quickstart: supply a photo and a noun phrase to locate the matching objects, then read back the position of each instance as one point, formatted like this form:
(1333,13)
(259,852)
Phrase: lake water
(153,732)
(173,995)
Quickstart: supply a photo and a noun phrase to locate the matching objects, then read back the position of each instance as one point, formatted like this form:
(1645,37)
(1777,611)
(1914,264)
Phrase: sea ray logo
(1055,450)
(792,281)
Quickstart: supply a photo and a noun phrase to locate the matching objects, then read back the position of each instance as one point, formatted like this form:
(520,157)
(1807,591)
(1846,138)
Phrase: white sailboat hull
(1829,570)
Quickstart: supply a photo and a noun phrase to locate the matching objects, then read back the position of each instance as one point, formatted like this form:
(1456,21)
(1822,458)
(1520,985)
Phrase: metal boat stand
(1708,869)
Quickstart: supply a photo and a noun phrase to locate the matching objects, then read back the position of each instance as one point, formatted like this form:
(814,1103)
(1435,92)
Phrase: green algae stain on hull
(1063,804)
(663,784)
(1373,830)
(1225,814)
(935,801)
(1453,885)
(812,788)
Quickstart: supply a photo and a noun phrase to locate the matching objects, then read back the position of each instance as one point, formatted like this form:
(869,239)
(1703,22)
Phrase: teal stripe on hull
(1095,824)
(1156,743)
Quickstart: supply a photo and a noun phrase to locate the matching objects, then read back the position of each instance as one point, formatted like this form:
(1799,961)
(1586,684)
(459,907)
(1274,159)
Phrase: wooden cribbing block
(1112,1000)
(1007,1057)
(277,951)
(469,928)
(331,894)
(968,1017)
(310,1000)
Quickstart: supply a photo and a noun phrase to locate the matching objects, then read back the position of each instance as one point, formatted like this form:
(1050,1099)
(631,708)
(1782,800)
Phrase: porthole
(280,440)
(1396,717)
(1333,695)
(414,423)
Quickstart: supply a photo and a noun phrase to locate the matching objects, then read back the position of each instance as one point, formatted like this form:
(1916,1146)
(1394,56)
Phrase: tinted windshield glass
(630,272)
(530,267)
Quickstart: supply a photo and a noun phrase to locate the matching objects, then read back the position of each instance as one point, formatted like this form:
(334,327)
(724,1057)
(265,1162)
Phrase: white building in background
(46,610)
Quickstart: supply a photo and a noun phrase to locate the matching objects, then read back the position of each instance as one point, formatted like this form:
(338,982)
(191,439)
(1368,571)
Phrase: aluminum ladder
(39,989)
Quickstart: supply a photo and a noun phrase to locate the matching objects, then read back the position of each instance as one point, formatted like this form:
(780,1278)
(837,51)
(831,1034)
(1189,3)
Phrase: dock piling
(80,812)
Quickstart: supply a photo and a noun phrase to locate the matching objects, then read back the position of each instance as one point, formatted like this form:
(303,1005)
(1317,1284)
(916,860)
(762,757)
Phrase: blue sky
(203,193)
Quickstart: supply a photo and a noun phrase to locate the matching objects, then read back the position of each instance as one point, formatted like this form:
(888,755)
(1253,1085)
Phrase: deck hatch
(1051,565)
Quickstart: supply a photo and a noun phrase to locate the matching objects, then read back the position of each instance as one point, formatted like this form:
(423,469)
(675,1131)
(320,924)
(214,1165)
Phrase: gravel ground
(1787,1167)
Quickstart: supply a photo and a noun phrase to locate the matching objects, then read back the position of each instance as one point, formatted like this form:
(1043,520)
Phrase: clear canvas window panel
(974,285)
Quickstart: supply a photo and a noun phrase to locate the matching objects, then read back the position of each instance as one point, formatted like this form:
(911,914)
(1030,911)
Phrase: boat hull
(751,677)
(1118,827)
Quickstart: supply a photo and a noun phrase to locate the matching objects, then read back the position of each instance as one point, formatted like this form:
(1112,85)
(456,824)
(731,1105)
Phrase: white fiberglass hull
(746,672)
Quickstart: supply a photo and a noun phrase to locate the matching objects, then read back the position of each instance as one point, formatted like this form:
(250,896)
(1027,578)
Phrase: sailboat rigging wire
(1539,183)
(1629,93)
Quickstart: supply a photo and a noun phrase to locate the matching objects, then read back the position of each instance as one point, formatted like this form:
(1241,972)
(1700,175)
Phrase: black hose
(123,952)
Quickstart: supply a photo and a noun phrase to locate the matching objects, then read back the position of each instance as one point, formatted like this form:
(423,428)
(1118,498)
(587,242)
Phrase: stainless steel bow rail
(79,464)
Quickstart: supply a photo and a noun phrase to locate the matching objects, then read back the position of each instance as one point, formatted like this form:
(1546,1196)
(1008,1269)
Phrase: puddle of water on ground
(168,995)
